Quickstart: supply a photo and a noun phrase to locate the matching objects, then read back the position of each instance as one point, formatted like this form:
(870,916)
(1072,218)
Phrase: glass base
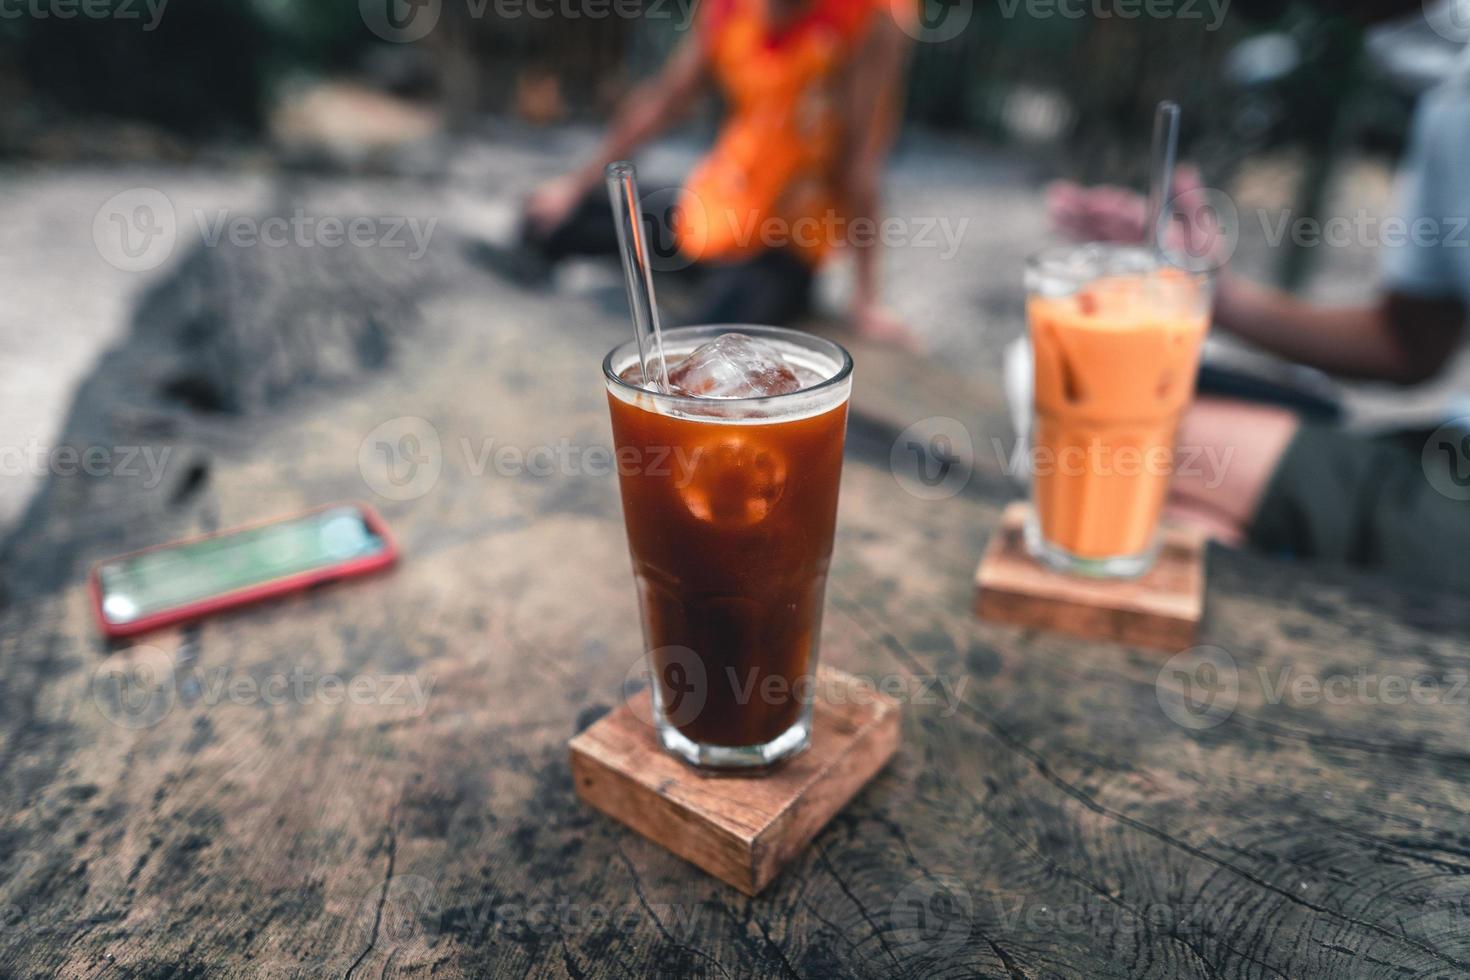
(737,759)
(1112,566)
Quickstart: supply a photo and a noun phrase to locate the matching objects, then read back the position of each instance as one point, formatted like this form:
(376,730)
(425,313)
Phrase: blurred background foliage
(1072,93)
(210,68)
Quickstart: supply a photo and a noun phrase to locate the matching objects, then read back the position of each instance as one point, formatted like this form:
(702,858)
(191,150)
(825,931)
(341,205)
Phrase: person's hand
(872,321)
(1115,214)
(1096,214)
(552,203)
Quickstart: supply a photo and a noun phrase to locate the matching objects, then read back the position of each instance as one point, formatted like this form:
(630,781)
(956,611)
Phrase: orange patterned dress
(771,179)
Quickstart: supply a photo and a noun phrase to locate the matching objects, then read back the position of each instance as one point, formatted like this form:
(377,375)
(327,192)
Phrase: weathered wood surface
(1052,819)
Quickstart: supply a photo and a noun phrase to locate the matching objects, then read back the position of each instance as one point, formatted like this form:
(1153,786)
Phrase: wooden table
(289,803)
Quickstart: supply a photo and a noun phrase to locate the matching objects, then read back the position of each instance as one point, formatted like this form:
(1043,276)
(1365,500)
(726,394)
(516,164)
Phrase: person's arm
(648,110)
(873,97)
(1401,339)
(1408,334)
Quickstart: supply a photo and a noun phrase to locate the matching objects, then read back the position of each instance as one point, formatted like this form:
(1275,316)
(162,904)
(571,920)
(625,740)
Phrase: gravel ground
(65,303)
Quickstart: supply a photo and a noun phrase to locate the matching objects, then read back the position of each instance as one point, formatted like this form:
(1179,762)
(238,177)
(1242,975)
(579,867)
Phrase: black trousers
(773,288)
(1398,504)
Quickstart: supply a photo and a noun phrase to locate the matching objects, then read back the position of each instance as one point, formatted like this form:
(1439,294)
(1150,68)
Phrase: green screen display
(168,578)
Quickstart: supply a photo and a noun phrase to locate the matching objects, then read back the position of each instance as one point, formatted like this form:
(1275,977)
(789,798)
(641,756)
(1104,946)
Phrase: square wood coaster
(1160,609)
(741,829)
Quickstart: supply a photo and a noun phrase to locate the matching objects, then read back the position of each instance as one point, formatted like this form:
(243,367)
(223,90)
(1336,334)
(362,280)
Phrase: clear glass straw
(622,191)
(1161,175)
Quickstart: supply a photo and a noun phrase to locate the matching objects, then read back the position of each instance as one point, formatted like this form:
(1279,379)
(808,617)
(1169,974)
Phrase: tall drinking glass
(730,506)
(1116,334)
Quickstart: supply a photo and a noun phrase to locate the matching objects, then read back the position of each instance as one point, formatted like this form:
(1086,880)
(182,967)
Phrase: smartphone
(184,580)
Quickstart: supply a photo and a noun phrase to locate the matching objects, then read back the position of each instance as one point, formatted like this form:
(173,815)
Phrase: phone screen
(167,578)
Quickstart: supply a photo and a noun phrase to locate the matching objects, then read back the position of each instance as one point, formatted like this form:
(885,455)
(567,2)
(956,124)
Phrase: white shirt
(1427,252)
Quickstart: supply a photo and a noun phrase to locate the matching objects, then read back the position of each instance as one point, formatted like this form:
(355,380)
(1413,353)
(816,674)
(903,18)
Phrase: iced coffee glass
(1116,336)
(730,499)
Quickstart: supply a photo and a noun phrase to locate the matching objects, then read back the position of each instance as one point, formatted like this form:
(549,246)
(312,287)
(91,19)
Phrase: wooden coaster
(741,829)
(1161,609)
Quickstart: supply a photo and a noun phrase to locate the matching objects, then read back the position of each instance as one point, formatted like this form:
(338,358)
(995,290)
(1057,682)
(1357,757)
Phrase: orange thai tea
(1116,339)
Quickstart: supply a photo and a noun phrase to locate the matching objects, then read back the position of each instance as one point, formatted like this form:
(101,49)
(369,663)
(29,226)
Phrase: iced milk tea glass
(1116,335)
(730,506)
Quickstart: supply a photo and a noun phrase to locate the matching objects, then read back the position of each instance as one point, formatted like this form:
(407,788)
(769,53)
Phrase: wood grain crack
(862,909)
(391,832)
(668,936)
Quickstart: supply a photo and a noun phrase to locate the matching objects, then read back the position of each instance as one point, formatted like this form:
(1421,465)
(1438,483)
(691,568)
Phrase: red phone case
(352,568)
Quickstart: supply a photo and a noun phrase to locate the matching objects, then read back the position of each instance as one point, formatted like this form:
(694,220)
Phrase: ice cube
(734,365)
(732,480)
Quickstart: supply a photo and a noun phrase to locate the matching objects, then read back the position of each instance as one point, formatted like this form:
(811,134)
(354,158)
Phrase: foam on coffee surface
(731,369)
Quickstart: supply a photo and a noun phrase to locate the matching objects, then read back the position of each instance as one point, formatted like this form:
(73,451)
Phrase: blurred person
(1309,490)
(813,88)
